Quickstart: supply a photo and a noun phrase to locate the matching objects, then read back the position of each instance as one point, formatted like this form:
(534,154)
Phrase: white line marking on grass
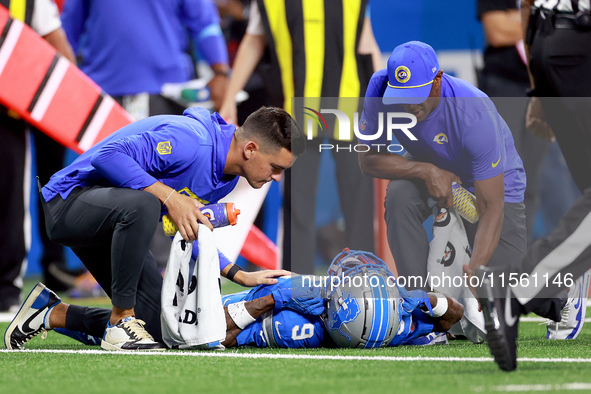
(233,354)
(535,387)
(6,317)
(542,319)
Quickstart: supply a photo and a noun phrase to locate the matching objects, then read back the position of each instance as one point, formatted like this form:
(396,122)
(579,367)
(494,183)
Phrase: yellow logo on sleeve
(440,138)
(164,148)
(496,163)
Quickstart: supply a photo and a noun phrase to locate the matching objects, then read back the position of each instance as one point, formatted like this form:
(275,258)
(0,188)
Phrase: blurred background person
(131,48)
(505,79)
(43,17)
(320,49)
(234,21)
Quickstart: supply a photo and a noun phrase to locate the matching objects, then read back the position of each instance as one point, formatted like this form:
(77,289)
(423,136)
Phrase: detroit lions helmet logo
(347,312)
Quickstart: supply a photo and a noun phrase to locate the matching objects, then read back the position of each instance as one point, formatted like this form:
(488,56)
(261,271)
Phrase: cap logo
(402,74)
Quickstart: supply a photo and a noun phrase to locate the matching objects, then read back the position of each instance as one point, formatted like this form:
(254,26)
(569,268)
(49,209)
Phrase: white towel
(192,314)
(448,252)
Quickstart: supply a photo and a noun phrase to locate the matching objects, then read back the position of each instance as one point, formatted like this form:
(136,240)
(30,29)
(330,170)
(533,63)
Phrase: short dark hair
(274,128)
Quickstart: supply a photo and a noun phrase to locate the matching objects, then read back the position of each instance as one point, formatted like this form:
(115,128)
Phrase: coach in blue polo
(460,137)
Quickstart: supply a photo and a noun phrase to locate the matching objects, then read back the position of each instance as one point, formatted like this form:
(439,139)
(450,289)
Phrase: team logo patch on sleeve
(440,138)
(164,148)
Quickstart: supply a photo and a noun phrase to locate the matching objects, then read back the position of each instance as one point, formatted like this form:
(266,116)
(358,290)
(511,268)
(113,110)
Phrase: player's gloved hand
(301,296)
(305,306)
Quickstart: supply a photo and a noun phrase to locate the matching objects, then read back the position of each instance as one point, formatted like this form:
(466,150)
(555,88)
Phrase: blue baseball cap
(412,67)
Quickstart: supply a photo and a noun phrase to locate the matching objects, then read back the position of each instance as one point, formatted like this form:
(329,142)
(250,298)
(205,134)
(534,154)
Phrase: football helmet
(363,301)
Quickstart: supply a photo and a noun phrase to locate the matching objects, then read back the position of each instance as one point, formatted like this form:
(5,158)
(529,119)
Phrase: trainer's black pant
(156,104)
(49,155)
(110,230)
(14,155)
(560,64)
(407,209)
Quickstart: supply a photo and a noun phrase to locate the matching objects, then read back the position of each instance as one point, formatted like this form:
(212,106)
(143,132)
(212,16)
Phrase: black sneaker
(29,321)
(500,320)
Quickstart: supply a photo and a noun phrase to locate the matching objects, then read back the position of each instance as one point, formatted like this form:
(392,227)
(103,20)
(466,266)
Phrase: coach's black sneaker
(30,319)
(129,334)
(500,322)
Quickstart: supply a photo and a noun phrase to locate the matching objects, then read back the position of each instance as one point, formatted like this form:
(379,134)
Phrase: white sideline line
(535,387)
(6,317)
(543,319)
(233,354)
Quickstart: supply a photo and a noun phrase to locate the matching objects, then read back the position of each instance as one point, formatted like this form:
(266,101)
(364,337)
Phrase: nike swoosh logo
(578,303)
(509,319)
(496,163)
(277,328)
(26,328)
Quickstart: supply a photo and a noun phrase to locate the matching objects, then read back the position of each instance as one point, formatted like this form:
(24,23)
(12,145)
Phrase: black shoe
(501,318)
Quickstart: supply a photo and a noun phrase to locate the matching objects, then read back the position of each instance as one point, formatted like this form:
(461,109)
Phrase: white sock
(46,318)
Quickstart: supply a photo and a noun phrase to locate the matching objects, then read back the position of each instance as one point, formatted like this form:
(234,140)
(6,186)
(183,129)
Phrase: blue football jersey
(289,329)
(413,325)
(283,329)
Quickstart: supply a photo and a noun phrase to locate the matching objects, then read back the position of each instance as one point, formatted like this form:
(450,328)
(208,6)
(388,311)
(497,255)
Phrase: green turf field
(56,365)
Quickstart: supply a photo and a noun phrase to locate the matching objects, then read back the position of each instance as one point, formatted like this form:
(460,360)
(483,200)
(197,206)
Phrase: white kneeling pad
(192,314)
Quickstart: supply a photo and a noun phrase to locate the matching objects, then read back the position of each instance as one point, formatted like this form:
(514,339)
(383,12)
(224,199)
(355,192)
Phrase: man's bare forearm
(392,166)
(454,313)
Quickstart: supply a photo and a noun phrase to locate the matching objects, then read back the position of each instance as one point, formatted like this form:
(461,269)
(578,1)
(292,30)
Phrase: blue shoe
(573,313)
(433,338)
(29,321)
(79,336)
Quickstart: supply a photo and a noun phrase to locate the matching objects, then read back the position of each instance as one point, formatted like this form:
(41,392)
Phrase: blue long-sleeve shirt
(187,153)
